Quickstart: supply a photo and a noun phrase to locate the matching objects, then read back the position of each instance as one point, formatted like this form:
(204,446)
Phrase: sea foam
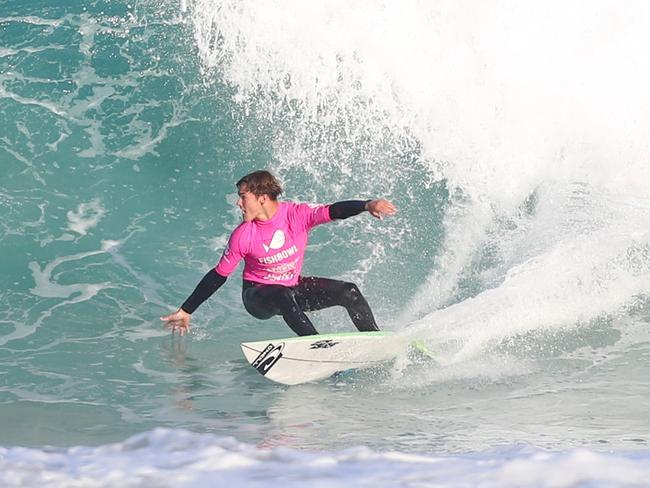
(166,457)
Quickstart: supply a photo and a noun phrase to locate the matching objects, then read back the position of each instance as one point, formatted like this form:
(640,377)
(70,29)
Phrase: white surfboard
(296,360)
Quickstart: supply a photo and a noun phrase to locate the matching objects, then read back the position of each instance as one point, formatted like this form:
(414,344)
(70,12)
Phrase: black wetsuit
(264,301)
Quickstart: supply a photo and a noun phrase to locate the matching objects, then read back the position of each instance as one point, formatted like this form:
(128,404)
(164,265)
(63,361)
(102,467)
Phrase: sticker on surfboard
(267,358)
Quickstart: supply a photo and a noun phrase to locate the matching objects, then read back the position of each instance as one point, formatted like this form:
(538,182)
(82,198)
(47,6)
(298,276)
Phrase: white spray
(537,115)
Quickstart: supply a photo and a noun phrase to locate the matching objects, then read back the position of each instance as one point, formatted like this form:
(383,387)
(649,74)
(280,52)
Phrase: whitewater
(511,136)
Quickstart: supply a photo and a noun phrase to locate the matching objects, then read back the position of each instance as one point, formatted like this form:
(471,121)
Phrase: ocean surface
(514,138)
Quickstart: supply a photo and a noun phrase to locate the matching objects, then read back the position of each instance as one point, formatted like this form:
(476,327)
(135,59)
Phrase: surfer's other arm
(349,208)
(180,320)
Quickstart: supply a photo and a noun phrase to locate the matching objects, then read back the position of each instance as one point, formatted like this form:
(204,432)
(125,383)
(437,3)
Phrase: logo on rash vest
(278,256)
(325,344)
(277,241)
(267,358)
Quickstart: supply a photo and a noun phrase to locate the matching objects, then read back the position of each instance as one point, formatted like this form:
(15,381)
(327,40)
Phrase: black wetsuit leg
(311,293)
(265,301)
(314,293)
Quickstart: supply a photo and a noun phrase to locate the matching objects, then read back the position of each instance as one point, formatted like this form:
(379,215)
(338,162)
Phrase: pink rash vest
(273,250)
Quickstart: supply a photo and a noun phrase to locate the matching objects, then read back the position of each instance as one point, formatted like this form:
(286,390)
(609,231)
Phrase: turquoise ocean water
(513,140)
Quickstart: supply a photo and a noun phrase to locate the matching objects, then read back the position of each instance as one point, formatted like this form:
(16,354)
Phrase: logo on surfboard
(267,358)
(324,344)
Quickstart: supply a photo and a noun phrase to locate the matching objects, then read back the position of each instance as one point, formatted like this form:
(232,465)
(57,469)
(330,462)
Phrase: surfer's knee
(258,311)
(351,293)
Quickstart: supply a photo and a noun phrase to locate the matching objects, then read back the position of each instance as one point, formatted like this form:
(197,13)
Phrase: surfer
(272,240)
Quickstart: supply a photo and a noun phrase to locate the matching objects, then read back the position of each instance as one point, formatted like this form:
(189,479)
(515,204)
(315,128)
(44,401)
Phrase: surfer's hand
(179,320)
(381,207)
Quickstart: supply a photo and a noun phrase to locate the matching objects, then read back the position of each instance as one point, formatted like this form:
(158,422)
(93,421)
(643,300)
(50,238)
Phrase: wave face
(511,137)
(530,123)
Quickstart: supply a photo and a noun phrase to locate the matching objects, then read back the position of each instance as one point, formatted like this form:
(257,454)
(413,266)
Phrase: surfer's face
(251,205)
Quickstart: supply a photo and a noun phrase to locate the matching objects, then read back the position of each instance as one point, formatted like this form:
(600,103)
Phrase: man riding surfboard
(272,240)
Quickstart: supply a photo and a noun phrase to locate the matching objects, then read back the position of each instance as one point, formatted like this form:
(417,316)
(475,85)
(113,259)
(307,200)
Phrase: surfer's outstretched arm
(377,208)
(180,320)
